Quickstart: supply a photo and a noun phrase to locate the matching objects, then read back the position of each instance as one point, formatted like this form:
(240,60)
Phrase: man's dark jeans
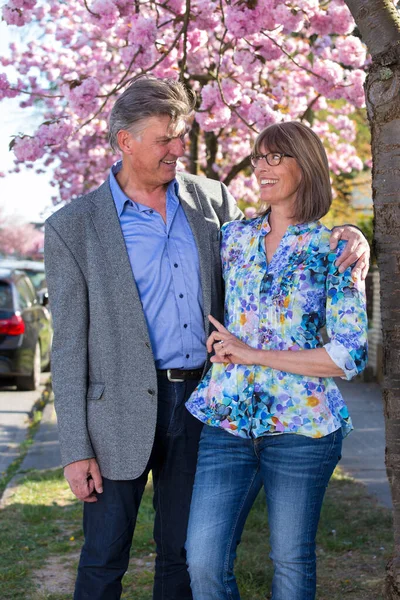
(109,523)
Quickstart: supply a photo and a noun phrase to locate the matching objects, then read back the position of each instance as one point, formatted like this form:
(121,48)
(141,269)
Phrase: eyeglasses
(273,158)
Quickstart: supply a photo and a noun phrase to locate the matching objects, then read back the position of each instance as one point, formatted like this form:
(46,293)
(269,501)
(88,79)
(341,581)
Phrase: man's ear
(125,141)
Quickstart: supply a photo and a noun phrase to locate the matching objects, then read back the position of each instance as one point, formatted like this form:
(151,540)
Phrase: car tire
(30,383)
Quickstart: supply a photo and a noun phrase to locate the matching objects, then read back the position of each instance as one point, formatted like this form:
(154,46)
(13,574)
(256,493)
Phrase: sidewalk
(363,449)
(14,412)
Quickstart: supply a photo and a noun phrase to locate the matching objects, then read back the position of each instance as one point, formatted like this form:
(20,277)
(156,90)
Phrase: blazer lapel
(107,225)
(191,205)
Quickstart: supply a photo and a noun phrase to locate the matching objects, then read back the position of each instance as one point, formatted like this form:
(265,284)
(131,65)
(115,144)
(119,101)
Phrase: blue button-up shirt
(166,268)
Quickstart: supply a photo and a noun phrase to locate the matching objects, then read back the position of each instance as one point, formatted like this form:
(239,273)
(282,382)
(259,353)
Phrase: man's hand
(84,479)
(357,249)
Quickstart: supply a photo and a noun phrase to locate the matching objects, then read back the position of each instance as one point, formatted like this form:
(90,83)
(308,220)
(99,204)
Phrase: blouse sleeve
(346,319)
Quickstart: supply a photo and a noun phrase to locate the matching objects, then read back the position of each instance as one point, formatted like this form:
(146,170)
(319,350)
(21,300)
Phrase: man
(133,271)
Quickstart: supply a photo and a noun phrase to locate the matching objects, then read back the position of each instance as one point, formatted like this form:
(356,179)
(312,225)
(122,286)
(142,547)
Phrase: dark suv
(25,331)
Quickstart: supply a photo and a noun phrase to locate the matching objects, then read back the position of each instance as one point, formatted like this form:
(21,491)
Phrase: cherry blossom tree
(251,63)
(17,239)
(379,24)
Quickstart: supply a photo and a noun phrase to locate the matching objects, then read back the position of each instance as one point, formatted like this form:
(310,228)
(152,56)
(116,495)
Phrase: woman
(273,415)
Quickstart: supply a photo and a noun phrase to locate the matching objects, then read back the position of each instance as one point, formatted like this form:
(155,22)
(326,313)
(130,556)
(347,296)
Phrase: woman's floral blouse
(282,306)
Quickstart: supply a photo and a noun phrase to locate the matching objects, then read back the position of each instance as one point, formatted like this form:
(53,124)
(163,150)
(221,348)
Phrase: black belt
(179,375)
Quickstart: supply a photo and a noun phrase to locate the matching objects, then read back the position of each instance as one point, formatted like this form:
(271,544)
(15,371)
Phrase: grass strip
(35,417)
(40,538)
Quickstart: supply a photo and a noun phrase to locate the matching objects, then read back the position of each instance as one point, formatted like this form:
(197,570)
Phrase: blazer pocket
(95,391)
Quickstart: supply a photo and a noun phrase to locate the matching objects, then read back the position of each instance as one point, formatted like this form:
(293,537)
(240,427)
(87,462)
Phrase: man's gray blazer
(104,377)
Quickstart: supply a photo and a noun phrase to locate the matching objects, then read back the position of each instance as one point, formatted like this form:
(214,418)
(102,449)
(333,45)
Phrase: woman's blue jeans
(295,471)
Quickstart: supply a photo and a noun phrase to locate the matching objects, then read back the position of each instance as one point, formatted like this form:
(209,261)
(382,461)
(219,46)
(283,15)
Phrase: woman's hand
(228,348)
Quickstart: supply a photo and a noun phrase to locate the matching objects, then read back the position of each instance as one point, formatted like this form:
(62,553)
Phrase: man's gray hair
(148,96)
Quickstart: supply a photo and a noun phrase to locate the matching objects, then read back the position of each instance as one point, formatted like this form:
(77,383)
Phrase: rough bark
(379,25)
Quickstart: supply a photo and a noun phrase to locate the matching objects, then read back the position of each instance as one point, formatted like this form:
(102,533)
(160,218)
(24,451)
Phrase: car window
(6,300)
(25,293)
(38,279)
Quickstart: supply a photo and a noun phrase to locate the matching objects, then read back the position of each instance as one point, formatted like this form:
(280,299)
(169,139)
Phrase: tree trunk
(379,25)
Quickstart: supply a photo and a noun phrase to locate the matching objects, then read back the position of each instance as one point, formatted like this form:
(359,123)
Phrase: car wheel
(29,383)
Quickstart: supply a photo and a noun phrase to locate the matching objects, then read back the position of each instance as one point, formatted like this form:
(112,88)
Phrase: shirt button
(176,265)
(180,295)
(151,392)
(151,211)
(185,325)
(187,355)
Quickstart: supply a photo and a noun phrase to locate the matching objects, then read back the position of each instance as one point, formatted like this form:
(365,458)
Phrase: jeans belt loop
(170,378)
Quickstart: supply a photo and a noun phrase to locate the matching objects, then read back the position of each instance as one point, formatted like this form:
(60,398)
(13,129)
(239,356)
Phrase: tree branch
(307,113)
(194,148)
(211,141)
(243,164)
(123,81)
(184,29)
(38,94)
(217,79)
(90,11)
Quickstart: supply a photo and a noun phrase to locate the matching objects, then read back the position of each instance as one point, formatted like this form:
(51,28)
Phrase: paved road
(14,409)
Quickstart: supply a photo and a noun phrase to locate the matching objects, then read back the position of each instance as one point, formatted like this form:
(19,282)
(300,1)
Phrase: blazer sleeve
(229,207)
(68,299)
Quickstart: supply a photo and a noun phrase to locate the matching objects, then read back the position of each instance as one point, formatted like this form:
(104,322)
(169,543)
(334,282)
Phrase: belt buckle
(172,379)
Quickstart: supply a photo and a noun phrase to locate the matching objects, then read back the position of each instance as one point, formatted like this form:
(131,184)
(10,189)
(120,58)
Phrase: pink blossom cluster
(83,96)
(262,114)
(242,21)
(106,11)
(54,133)
(141,42)
(28,149)
(177,6)
(344,160)
(344,125)
(334,18)
(350,51)
(219,116)
(291,19)
(6,90)
(18,12)
(251,64)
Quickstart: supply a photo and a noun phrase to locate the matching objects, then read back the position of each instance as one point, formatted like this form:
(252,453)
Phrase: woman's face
(278,185)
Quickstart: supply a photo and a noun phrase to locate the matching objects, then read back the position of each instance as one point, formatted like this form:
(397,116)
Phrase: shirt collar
(262,225)
(120,198)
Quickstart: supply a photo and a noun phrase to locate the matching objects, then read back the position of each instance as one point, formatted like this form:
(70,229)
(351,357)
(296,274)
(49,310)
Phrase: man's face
(154,151)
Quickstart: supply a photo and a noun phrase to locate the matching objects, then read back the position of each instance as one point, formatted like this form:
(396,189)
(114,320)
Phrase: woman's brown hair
(314,195)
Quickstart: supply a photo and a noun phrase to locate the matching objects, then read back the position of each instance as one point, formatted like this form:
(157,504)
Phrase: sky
(25,195)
